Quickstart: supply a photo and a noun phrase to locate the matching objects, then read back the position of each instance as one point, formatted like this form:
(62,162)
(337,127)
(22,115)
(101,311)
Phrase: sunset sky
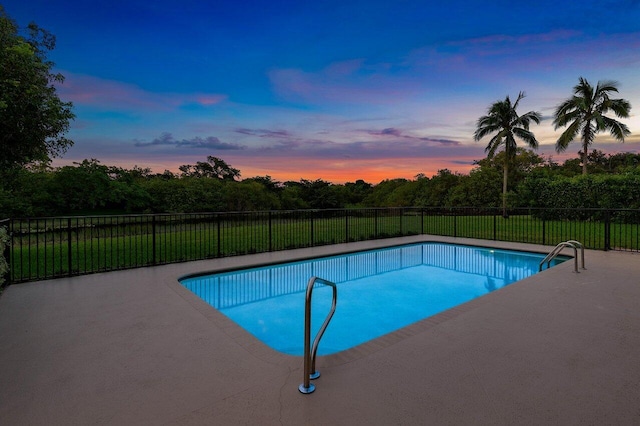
(337,90)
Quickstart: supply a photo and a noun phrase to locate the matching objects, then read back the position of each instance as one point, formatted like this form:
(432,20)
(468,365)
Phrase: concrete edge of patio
(135,347)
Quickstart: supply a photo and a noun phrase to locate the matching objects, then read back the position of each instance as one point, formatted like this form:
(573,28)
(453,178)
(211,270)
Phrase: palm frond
(620,107)
(486,125)
(584,114)
(606,86)
(526,118)
(600,124)
(568,136)
(583,89)
(493,145)
(566,108)
(521,95)
(588,133)
(527,136)
(569,118)
(501,120)
(617,129)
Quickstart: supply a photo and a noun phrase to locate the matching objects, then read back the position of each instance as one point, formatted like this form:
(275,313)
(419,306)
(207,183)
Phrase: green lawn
(55,251)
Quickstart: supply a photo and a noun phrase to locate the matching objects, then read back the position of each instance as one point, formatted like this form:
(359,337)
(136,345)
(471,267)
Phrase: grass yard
(79,248)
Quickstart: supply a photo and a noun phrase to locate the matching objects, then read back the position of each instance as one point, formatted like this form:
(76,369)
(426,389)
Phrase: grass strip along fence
(43,248)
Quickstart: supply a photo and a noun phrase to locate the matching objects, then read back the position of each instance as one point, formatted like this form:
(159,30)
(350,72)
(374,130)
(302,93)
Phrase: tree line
(90,187)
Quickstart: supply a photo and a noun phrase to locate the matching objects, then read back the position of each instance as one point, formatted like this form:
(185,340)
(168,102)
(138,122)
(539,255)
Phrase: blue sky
(337,90)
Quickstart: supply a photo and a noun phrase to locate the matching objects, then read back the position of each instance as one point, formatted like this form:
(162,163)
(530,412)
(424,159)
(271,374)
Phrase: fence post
(346,225)
(218,236)
(455,223)
(607,231)
(422,220)
(69,263)
(495,220)
(544,231)
(401,215)
(313,213)
(153,240)
(270,233)
(375,230)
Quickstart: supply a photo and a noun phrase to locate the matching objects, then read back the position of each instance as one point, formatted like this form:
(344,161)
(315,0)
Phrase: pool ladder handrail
(575,245)
(310,372)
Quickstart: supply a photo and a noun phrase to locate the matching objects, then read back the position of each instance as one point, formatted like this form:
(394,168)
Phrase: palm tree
(503,120)
(585,113)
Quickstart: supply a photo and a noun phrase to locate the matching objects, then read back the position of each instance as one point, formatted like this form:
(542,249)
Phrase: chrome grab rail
(581,247)
(310,371)
(558,248)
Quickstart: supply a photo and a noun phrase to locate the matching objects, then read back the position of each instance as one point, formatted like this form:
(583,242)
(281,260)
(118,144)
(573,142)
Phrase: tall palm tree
(503,120)
(585,113)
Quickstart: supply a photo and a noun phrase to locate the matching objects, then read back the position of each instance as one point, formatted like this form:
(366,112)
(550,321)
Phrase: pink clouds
(208,100)
(85,90)
(350,82)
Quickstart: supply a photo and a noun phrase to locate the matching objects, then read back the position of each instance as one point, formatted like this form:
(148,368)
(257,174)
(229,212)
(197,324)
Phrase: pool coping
(259,349)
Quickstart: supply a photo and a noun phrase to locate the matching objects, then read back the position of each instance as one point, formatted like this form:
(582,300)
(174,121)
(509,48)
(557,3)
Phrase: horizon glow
(330,90)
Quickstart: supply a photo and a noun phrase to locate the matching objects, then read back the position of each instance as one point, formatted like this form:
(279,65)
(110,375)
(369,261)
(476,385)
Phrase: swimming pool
(379,291)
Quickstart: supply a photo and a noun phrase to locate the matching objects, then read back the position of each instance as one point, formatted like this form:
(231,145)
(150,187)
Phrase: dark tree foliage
(33,119)
(389,193)
(90,188)
(435,192)
(316,194)
(214,167)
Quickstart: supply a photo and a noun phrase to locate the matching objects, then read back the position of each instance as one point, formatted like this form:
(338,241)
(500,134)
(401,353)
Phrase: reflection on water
(378,291)
(498,267)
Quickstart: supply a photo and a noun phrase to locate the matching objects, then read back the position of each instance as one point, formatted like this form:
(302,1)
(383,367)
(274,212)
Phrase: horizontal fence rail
(44,248)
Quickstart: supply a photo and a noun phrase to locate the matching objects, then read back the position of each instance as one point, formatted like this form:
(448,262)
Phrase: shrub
(4,265)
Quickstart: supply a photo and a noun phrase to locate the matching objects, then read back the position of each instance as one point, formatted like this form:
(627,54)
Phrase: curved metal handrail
(581,247)
(558,248)
(310,371)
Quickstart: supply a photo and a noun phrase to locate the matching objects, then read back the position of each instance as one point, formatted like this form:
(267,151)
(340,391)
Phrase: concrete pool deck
(134,348)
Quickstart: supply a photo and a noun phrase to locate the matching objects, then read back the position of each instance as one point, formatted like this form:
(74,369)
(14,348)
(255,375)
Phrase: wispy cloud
(390,131)
(210,142)
(548,51)
(479,63)
(264,133)
(397,133)
(97,92)
(364,149)
(347,82)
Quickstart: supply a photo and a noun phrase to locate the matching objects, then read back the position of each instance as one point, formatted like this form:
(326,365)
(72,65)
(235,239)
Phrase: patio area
(134,347)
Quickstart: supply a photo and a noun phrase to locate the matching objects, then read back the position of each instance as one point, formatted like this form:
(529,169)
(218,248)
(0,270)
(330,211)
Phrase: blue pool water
(379,291)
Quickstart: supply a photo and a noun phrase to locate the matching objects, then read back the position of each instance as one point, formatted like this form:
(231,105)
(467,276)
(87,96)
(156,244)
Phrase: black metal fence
(43,248)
